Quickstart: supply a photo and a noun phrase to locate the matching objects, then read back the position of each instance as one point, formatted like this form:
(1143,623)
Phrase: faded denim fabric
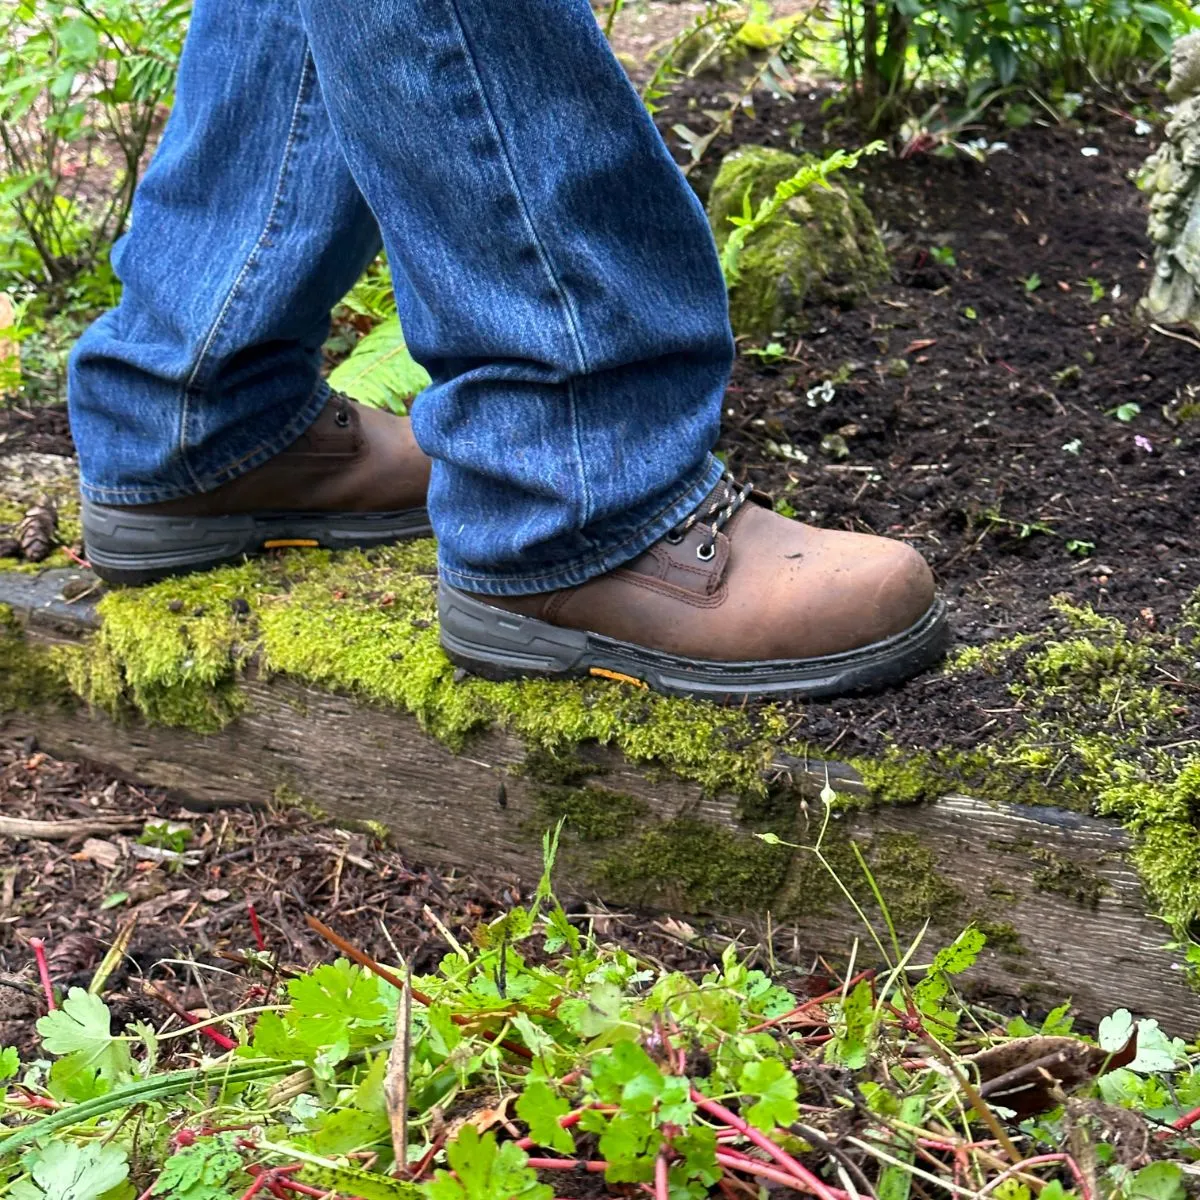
(553,270)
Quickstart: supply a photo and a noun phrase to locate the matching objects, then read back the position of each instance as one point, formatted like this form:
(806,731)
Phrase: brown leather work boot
(736,602)
(355,477)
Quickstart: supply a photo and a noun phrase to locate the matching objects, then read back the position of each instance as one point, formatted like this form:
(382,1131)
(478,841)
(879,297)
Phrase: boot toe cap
(904,593)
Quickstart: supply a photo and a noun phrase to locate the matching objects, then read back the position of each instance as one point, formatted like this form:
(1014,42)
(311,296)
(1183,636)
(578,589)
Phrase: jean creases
(553,270)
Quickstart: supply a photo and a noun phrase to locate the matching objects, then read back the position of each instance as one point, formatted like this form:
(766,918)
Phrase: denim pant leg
(246,230)
(554,273)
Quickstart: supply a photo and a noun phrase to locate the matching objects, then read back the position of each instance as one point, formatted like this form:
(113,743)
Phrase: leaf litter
(546,1051)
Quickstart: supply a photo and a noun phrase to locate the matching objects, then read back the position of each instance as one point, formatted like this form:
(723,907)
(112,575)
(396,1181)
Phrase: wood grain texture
(1009,864)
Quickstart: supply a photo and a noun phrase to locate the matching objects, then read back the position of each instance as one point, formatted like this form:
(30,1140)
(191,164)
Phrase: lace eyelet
(706,551)
(342,417)
(673,537)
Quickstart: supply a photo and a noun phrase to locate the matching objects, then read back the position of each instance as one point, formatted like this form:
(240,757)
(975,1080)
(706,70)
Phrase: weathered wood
(1059,881)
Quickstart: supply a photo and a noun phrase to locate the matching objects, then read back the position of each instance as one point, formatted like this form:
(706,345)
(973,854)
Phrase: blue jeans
(553,270)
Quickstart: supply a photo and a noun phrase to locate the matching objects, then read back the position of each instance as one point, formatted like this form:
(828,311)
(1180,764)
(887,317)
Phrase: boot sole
(128,548)
(500,645)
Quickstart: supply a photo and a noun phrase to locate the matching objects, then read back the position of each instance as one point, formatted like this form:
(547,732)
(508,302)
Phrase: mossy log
(1054,889)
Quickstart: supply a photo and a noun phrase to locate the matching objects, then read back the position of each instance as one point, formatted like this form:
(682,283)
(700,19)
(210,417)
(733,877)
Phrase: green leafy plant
(890,46)
(76,84)
(563,1055)
(380,371)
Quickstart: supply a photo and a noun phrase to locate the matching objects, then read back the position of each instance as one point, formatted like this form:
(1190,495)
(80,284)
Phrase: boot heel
(500,645)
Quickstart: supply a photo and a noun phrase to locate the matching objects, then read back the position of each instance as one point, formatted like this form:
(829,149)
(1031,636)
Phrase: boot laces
(714,514)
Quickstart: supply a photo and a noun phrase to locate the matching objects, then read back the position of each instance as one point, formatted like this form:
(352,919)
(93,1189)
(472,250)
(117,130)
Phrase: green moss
(1002,936)
(29,679)
(177,652)
(594,814)
(691,864)
(907,874)
(987,657)
(172,653)
(823,245)
(1066,877)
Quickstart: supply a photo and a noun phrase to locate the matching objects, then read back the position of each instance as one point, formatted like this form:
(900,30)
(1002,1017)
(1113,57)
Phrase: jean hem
(262,453)
(684,501)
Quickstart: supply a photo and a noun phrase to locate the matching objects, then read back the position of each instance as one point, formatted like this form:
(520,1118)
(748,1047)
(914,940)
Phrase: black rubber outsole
(500,645)
(128,548)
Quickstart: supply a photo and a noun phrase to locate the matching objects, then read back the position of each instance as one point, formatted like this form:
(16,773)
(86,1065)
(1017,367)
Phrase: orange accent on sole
(290,543)
(617,677)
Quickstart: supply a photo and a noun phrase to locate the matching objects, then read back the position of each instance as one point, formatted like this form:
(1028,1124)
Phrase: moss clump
(365,623)
(1066,877)
(29,679)
(822,246)
(1002,936)
(907,874)
(173,653)
(1098,717)
(691,864)
(594,814)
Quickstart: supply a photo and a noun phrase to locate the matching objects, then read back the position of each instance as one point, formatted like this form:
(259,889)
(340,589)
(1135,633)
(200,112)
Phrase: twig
(165,997)
(61,831)
(367,962)
(1179,337)
(395,1085)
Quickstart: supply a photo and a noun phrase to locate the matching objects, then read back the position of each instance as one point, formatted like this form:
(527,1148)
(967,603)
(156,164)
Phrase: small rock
(175,606)
(240,606)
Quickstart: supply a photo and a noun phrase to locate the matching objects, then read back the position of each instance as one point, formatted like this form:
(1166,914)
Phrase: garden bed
(1042,785)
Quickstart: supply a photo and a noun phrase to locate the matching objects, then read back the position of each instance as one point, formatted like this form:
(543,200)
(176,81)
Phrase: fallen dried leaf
(1024,1074)
(97,850)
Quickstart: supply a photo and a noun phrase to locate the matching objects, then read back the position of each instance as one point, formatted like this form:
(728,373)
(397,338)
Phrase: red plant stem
(593,1166)
(252,913)
(182,1013)
(39,952)
(801,1009)
(662,1184)
(415,1173)
(571,1119)
(150,1190)
(260,1182)
(750,1167)
(1187,1120)
(780,1155)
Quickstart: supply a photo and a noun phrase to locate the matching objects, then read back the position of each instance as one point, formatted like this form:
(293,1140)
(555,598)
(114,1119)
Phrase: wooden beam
(1066,910)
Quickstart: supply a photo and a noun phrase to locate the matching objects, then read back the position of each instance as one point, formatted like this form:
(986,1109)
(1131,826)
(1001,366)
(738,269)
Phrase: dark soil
(962,388)
(40,430)
(191,904)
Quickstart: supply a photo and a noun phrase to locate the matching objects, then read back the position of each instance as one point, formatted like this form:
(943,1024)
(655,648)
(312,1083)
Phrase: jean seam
(600,560)
(307,71)
(567,307)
